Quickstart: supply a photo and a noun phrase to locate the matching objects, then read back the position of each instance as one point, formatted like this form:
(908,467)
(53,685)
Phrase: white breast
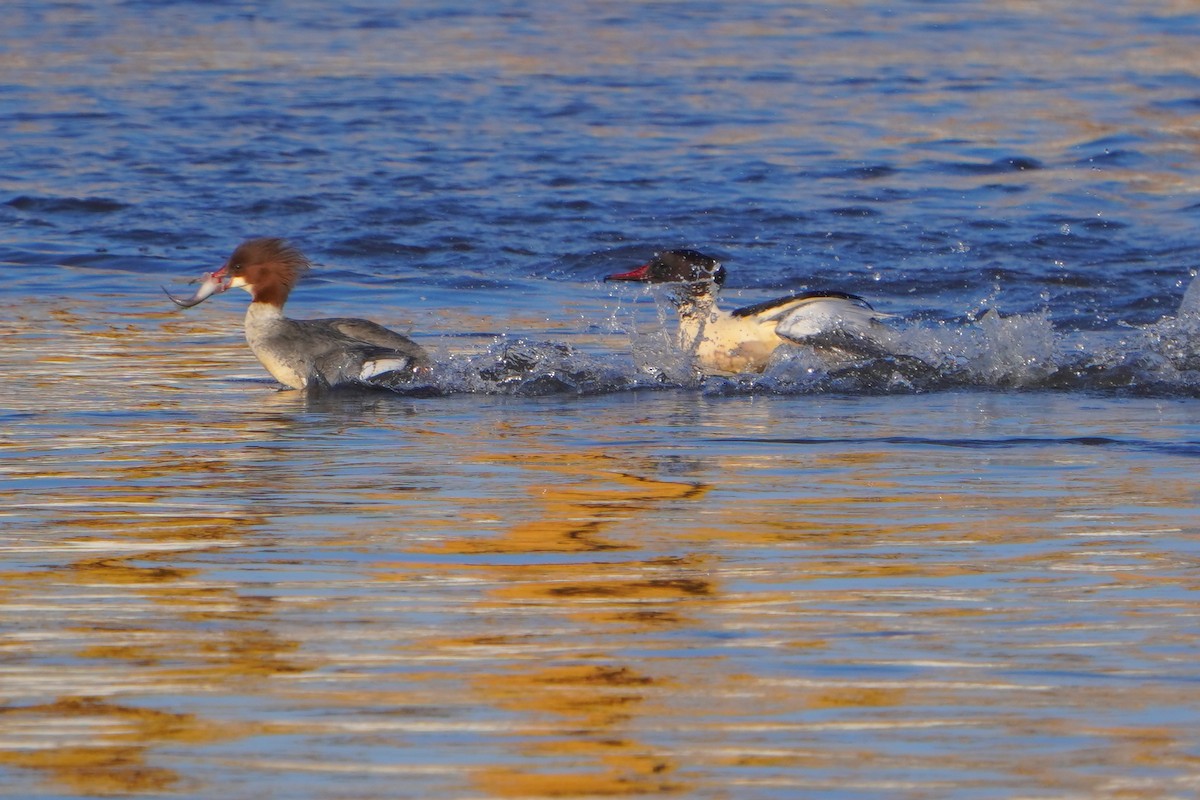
(725,345)
(262,324)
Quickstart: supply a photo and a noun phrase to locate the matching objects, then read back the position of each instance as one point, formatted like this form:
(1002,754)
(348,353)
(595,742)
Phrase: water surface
(582,571)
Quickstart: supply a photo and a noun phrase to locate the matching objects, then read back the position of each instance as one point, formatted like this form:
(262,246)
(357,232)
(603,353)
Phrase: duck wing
(356,350)
(837,320)
(372,333)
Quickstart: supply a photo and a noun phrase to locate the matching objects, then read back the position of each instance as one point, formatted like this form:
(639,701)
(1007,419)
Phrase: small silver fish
(210,284)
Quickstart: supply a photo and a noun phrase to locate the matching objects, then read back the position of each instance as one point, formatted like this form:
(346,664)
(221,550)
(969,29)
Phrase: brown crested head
(676,266)
(268,268)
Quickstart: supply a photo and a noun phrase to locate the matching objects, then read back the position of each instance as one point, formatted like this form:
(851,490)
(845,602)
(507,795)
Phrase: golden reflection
(116,571)
(198,644)
(648,600)
(627,775)
(586,695)
(574,609)
(578,502)
(576,497)
(592,704)
(856,697)
(98,515)
(103,746)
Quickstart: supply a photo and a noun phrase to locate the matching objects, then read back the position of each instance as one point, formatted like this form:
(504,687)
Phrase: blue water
(579,569)
(939,159)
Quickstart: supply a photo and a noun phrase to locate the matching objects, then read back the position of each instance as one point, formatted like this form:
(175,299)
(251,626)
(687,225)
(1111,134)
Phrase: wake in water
(992,351)
(523,367)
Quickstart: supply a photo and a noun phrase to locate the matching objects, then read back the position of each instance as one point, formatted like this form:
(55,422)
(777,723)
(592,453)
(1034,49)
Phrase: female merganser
(731,342)
(310,352)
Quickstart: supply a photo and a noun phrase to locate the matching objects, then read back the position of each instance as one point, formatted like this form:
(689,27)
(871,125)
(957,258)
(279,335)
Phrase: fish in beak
(210,283)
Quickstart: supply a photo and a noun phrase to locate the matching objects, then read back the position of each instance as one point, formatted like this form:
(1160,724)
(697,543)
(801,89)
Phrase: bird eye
(236,268)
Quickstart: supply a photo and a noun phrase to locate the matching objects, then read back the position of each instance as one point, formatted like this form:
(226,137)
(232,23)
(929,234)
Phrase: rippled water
(581,571)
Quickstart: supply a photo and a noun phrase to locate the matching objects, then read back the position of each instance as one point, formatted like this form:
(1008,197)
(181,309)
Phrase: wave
(991,351)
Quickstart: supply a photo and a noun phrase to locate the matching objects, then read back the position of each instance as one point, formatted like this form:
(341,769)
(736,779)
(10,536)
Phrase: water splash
(530,368)
(991,351)
(1171,346)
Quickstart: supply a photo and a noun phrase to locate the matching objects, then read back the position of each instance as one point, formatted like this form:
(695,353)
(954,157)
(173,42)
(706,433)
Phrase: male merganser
(310,352)
(731,342)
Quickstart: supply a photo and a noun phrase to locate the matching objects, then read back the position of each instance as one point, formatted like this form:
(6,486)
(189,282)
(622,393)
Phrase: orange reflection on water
(619,597)
(577,707)
(581,495)
(96,747)
(589,705)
